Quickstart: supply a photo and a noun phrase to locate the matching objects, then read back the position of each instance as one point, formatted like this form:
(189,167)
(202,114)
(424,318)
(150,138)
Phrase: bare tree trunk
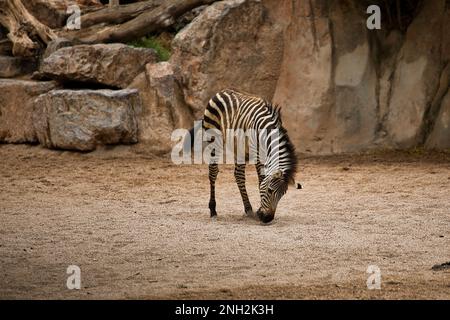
(22,27)
(145,23)
(118,14)
(121,23)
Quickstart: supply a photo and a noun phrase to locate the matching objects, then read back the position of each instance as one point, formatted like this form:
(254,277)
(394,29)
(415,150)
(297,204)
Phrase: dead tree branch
(148,21)
(23,28)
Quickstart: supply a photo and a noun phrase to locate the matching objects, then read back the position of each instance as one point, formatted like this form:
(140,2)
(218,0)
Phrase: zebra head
(272,188)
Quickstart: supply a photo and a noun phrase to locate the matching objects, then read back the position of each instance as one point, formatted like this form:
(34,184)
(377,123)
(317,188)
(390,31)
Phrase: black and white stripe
(231,109)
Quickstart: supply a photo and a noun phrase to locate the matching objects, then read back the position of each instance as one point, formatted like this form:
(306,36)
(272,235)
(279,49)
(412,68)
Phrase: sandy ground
(138,227)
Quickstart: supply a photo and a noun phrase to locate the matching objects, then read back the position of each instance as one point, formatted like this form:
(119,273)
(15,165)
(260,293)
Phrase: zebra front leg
(213,171)
(239,174)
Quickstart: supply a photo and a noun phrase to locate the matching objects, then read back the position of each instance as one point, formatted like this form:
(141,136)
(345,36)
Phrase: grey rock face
(231,43)
(113,65)
(82,119)
(163,107)
(439,137)
(344,88)
(16,109)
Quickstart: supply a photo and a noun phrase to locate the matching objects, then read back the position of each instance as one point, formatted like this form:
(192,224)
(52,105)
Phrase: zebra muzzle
(265,217)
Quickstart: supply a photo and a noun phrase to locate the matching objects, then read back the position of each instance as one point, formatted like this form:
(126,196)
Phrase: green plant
(154,43)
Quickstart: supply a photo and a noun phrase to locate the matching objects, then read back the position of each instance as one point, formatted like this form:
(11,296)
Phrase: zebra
(233,109)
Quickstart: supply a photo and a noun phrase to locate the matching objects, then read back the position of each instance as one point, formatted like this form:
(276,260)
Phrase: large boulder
(55,45)
(163,107)
(390,46)
(231,43)
(82,119)
(354,121)
(114,65)
(16,109)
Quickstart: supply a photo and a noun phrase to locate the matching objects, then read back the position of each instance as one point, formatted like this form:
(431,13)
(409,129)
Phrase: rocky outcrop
(114,65)
(231,43)
(16,109)
(327,84)
(439,137)
(341,86)
(55,45)
(305,85)
(354,81)
(82,119)
(345,88)
(417,75)
(163,107)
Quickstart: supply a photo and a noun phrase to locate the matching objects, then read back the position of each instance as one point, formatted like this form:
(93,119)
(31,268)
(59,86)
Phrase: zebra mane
(290,172)
(275,111)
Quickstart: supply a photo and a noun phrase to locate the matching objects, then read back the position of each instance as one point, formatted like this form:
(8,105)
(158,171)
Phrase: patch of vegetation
(416,151)
(162,49)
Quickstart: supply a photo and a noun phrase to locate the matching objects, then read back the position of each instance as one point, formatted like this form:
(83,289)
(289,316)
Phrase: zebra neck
(274,160)
(272,150)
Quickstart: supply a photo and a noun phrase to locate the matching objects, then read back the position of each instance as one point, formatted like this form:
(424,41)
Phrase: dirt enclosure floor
(138,227)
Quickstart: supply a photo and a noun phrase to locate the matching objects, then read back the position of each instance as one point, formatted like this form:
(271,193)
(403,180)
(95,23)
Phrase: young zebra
(231,109)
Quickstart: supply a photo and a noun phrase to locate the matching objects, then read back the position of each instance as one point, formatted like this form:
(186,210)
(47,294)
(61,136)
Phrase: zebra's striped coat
(232,109)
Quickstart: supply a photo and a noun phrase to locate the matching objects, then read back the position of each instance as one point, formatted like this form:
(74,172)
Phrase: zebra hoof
(214,218)
(249,213)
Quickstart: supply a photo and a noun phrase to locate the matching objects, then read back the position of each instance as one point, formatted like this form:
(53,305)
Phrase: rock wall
(232,43)
(345,88)
(78,118)
(113,65)
(420,77)
(342,87)
(16,108)
(163,106)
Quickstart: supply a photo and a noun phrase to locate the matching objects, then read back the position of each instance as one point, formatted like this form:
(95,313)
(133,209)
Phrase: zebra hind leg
(213,171)
(239,174)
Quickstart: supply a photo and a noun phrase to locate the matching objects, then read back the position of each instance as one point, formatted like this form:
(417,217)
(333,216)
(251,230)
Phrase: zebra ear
(297,185)
(278,174)
(291,181)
